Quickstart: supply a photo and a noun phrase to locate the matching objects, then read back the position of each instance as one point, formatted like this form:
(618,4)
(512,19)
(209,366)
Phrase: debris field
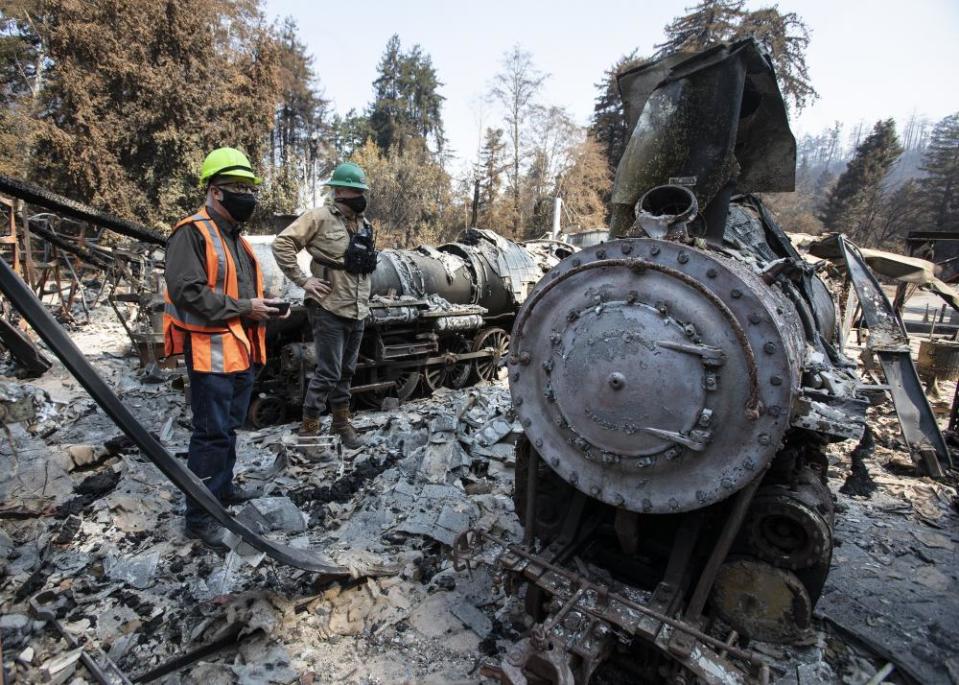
(95,531)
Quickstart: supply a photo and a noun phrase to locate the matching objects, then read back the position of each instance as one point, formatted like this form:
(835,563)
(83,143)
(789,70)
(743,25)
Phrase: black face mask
(239,205)
(357,204)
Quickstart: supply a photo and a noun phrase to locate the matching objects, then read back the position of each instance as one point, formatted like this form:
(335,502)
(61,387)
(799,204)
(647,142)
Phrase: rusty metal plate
(655,376)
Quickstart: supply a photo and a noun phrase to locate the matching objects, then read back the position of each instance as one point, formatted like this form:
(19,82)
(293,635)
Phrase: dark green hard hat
(348,175)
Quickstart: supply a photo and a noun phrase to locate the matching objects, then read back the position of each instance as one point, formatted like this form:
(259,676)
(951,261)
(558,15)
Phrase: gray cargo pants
(337,343)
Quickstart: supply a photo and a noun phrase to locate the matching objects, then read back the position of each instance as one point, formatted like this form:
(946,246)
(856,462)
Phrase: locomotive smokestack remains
(713,121)
(666,211)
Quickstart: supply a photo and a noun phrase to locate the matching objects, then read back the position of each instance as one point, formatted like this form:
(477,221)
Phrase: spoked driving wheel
(453,373)
(266,410)
(496,340)
(406,382)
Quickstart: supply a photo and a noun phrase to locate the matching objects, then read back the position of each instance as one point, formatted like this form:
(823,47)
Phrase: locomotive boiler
(439,317)
(676,385)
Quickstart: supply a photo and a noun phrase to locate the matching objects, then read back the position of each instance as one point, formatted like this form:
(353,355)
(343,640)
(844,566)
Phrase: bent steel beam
(889,340)
(13,287)
(36,195)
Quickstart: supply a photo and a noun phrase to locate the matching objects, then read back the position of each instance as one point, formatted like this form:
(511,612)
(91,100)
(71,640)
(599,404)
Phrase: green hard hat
(348,175)
(227,161)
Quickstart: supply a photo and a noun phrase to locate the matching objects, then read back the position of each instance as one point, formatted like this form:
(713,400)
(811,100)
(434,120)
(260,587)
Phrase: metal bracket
(889,340)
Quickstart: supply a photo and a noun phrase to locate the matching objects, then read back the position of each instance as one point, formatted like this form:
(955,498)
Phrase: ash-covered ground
(85,516)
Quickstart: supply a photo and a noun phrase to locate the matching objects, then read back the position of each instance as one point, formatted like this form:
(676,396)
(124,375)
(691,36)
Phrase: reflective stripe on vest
(215,347)
(212,236)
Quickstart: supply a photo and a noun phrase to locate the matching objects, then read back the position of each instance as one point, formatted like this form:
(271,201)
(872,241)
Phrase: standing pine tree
(708,23)
(938,192)
(608,126)
(406,100)
(855,201)
(784,37)
(386,111)
(419,89)
(297,142)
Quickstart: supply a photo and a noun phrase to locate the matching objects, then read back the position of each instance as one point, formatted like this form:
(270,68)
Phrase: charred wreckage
(439,316)
(676,385)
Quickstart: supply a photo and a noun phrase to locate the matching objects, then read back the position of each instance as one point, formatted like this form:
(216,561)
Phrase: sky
(870,59)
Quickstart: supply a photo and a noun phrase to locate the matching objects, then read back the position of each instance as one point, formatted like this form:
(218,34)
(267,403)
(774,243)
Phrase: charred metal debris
(654,499)
(710,503)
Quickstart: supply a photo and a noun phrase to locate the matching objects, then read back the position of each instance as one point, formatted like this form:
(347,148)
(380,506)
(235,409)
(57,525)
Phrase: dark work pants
(337,343)
(220,402)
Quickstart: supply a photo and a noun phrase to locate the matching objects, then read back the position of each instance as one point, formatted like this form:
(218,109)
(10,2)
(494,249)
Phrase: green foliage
(410,200)
(938,191)
(350,132)
(406,102)
(489,212)
(785,37)
(854,203)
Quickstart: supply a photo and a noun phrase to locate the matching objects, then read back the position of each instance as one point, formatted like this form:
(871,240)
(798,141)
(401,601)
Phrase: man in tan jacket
(340,241)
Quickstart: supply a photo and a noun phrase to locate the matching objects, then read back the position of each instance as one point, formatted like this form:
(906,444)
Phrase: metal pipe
(557,208)
(882,674)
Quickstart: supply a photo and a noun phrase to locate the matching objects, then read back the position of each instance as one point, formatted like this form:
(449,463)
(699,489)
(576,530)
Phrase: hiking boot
(344,428)
(239,493)
(209,532)
(311,426)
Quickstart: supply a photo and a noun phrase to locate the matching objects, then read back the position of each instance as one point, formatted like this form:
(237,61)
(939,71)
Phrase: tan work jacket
(324,232)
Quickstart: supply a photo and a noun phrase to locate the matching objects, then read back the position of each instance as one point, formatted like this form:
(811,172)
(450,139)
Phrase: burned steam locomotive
(676,385)
(439,317)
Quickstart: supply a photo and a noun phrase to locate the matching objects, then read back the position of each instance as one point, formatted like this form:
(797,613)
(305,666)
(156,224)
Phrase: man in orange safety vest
(214,316)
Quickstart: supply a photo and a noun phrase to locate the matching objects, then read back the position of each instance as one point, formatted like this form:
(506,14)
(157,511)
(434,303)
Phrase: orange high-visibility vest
(216,346)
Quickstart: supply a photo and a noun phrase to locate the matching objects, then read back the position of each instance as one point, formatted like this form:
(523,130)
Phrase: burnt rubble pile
(85,516)
(92,532)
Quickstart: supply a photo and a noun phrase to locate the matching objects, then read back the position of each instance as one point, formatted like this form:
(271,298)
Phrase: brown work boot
(311,426)
(341,426)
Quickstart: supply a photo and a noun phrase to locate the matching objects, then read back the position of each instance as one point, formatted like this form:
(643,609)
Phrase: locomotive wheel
(489,369)
(406,384)
(453,374)
(266,410)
